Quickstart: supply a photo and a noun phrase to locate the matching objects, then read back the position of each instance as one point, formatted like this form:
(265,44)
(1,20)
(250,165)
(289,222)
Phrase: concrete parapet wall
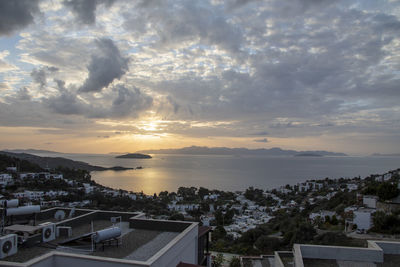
(97,215)
(298,257)
(183,248)
(49,213)
(388,247)
(342,253)
(278,261)
(158,225)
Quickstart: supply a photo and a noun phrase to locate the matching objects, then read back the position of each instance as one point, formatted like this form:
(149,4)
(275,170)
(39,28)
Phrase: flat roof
(140,239)
(23,228)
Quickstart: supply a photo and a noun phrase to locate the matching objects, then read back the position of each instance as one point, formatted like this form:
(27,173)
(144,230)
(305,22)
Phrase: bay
(230,173)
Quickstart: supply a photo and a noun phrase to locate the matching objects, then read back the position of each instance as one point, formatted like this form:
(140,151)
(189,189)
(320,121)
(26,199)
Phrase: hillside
(49,162)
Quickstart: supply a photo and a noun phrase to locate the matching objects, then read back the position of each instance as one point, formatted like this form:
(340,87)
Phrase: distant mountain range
(385,155)
(31,151)
(276,151)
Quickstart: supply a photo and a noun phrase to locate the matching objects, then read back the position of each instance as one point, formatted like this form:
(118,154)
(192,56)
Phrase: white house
(322,214)
(88,188)
(31,195)
(56,176)
(11,169)
(211,197)
(363,218)
(370,201)
(29,175)
(352,187)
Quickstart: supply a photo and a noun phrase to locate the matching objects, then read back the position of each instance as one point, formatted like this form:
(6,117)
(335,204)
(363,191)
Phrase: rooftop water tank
(106,234)
(23,210)
(12,203)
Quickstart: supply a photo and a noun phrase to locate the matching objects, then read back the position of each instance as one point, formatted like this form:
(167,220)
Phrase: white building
(6,179)
(29,175)
(31,195)
(211,197)
(11,169)
(183,242)
(370,201)
(322,214)
(88,188)
(363,218)
(182,207)
(352,187)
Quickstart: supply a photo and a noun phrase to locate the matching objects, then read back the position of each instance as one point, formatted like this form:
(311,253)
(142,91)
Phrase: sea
(166,172)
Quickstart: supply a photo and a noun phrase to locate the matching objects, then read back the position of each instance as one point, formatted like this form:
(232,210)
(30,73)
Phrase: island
(134,156)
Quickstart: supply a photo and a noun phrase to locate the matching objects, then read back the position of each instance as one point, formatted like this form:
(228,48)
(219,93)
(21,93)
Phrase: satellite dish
(59,215)
(71,213)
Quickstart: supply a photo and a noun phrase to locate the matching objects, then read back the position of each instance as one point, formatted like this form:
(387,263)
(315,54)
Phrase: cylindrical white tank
(106,234)
(12,203)
(23,210)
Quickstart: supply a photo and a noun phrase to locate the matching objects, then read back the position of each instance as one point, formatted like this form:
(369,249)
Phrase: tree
(218,233)
(235,262)
(305,233)
(218,260)
(267,244)
(387,190)
(203,192)
(177,217)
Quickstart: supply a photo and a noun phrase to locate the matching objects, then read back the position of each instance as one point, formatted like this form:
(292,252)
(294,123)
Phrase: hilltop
(50,162)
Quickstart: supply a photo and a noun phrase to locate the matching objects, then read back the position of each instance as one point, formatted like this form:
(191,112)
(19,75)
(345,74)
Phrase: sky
(99,76)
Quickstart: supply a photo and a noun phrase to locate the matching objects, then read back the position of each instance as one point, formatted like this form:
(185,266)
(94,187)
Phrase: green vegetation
(387,190)
(235,262)
(22,165)
(386,223)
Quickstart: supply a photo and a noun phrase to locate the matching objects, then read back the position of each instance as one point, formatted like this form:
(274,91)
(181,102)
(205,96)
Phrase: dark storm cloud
(104,67)
(17,14)
(129,102)
(85,10)
(40,75)
(121,102)
(67,104)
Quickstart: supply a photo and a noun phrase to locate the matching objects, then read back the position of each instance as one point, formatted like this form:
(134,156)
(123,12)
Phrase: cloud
(179,23)
(104,67)
(67,104)
(129,102)
(85,10)
(264,140)
(40,75)
(15,15)
(4,65)
(260,133)
(23,94)
(272,68)
(119,102)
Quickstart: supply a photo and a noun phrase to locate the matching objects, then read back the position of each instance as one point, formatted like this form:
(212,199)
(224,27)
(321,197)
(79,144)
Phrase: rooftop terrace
(142,242)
